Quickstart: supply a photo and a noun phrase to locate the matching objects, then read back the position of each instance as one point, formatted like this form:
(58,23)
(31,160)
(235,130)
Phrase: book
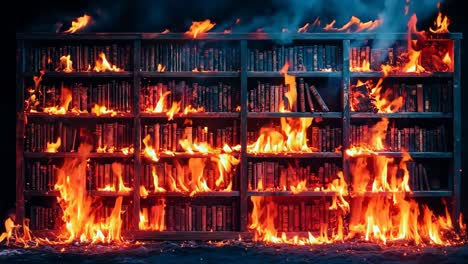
(319,99)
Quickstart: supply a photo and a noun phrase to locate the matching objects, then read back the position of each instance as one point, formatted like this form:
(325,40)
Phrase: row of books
(189,217)
(81,97)
(220,97)
(83,57)
(106,137)
(109,174)
(267,97)
(275,175)
(40,176)
(45,218)
(413,139)
(326,139)
(300,58)
(175,57)
(312,215)
(185,176)
(166,136)
(433,97)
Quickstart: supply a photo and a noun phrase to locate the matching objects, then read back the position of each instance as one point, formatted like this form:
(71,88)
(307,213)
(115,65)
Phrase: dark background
(155,16)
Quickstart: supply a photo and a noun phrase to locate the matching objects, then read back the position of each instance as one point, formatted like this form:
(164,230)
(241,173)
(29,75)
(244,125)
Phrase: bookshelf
(244,78)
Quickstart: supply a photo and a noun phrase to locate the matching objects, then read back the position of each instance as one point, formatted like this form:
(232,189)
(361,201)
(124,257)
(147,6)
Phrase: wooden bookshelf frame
(242,40)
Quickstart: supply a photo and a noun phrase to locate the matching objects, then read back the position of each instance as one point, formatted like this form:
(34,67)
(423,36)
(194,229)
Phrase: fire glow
(199,27)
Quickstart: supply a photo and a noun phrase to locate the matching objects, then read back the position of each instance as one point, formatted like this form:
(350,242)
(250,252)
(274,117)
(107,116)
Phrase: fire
(127,150)
(65,100)
(80,219)
(293,136)
(53,147)
(161,104)
(161,68)
(66,64)
(165,31)
(355,25)
(441,23)
(198,27)
(157,216)
(149,151)
(117,171)
(156,181)
(103,65)
(79,24)
(303,29)
(190,109)
(102,110)
(174,109)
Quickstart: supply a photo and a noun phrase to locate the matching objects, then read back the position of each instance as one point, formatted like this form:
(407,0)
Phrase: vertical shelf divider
(346,108)
(456,132)
(20,128)
(137,132)
(243,134)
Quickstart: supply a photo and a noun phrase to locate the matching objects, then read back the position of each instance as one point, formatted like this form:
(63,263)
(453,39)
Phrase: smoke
(267,16)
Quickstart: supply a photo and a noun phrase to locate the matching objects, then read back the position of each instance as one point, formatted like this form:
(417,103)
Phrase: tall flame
(103,65)
(441,23)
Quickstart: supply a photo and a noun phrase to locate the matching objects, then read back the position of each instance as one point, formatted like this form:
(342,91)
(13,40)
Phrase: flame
(160,105)
(102,110)
(79,23)
(157,213)
(143,192)
(53,147)
(200,27)
(161,68)
(165,31)
(65,102)
(441,23)
(355,25)
(80,219)
(156,181)
(448,61)
(103,65)
(303,29)
(127,150)
(190,109)
(149,152)
(174,109)
(66,64)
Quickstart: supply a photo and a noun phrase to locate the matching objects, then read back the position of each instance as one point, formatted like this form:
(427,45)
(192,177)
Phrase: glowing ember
(198,27)
(165,31)
(79,23)
(102,110)
(102,65)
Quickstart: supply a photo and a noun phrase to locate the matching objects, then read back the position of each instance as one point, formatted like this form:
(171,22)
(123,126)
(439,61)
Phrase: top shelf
(401,74)
(222,36)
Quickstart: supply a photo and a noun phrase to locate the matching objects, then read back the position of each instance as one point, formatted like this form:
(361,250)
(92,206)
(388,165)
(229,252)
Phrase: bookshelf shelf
(218,74)
(442,155)
(296,155)
(431,115)
(295,114)
(401,75)
(206,115)
(94,155)
(197,194)
(137,83)
(92,75)
(334,74)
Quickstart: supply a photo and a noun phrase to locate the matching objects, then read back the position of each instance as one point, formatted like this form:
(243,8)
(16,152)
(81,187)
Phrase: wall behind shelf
(42,16)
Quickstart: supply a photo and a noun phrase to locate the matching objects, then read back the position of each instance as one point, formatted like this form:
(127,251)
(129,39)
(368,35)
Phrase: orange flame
(149,152)
(53,147)
(190,109)
(303,29)
(63,108)
(174,109)
(161,68)
(79,23)
(157,213)
(198,27)
(355,25)
(102,110)
(78,215)
(66,64)
(103,65)
(441,23)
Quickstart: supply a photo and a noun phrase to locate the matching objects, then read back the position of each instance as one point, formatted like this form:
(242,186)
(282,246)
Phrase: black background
(155,16)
